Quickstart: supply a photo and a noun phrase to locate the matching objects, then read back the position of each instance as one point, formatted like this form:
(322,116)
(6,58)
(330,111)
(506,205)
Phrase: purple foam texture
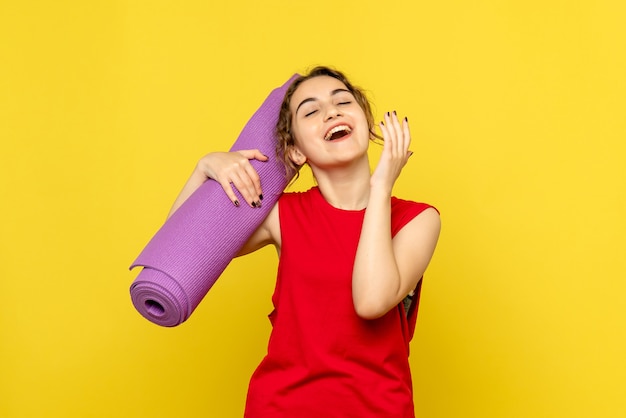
(193,247)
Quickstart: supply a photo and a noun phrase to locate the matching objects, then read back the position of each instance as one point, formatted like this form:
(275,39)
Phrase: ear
(296,156)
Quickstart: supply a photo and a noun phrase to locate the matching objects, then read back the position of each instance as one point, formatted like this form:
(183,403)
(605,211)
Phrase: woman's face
(328,125)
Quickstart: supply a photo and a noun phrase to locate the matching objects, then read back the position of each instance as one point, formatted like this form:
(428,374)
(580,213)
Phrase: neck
(345,187)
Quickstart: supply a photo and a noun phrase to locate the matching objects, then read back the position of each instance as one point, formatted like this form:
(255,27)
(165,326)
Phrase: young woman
(351,257)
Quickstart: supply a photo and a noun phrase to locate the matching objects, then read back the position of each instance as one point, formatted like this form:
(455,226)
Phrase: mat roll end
(159,299)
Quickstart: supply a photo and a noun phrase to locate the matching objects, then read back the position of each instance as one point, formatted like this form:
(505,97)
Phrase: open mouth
(337,132)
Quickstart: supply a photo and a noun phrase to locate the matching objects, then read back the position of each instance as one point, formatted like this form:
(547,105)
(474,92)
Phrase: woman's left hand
(395,155)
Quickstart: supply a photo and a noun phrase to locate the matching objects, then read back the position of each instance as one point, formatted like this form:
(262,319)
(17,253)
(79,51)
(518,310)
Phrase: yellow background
(518,113)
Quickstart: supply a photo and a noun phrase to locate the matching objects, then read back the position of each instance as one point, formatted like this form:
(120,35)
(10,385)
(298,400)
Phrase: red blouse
(323,360)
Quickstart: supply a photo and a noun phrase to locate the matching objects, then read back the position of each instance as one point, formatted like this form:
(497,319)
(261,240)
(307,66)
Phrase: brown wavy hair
(283,126)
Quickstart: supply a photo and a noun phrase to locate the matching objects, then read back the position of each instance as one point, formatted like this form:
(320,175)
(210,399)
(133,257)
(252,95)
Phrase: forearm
(196,179)
(386,269)
(376,282)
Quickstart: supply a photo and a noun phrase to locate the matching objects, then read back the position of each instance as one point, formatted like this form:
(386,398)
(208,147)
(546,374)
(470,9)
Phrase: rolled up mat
(193,247)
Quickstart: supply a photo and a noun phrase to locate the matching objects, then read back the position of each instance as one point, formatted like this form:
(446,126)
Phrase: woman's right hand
(234,169)
(226,168)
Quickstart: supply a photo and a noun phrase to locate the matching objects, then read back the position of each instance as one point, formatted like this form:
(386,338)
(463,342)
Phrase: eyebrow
(313,99)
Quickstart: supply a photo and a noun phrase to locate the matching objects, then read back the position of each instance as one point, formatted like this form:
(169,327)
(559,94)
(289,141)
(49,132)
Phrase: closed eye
(344,103)
(310,113)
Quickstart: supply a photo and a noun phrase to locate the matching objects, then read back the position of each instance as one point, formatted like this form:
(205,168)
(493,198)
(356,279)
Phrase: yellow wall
(518,113)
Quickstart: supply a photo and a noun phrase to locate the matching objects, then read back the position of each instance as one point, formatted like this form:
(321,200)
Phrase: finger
(386,140)
(407,135)
(256,182)
(399,144)
(254,187)
(229,192)
(254,154)
(245,186)
(390,138)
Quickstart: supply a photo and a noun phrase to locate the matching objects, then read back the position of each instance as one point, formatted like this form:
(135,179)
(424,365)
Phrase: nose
(332,111)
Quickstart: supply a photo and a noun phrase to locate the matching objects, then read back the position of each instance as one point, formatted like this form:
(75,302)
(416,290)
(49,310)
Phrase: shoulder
(297,200)
(415,230)
(403,205)
(299,194)
(279,216)
(404,211)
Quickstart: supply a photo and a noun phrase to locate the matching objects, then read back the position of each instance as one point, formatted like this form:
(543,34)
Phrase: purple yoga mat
(191,250)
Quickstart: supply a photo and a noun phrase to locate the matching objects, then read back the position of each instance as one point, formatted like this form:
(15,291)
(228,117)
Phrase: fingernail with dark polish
(394,112)
(388,114)
(236,202)
(261,197)
(406,119)
(254,204)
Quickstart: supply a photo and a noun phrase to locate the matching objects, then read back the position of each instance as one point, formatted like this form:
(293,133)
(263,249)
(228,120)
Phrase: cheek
(302,132)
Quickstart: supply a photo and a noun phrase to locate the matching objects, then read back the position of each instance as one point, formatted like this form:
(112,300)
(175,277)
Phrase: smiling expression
(328,124)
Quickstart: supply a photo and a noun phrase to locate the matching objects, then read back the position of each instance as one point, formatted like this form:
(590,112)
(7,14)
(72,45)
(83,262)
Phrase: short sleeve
(403,212)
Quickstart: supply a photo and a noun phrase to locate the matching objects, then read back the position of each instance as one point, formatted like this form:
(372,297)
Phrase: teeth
(330,133)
